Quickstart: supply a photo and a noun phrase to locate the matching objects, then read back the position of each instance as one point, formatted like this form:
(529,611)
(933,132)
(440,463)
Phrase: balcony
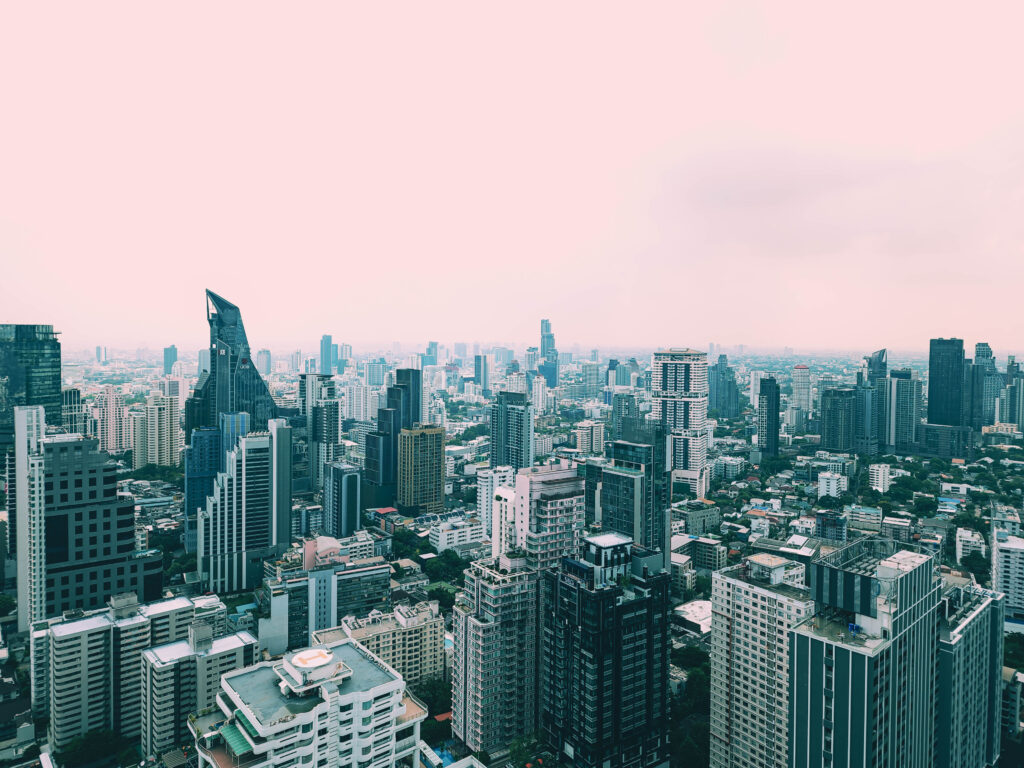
(415,710)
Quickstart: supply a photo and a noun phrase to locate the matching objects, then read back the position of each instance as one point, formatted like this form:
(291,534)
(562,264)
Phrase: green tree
(977,564)
(7,604)
(436,694)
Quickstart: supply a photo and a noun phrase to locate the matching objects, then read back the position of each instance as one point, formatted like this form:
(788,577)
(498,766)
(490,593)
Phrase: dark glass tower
(404,402)
(512,431)
(723,394)
(29,375)
(203,458)
(946,382)
(604,643)
(838,416)
(768,417)
(232,384)
(326,360)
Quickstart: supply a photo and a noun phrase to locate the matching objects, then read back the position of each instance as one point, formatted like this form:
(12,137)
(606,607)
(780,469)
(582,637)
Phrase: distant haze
(818,176)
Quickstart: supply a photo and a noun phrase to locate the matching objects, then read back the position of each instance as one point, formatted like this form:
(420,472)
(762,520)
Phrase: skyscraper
(326,361)
(158,438)
(946,382)
(604,645)
(547,513)
(482,373)
(112,421)
(547,340)
(263,362)
(494,662)
(679,388)
(754,605)
(202,462)
(342,506)
(511,431)
(802,388)
(71,549)
(319,403)
(768,404)
(902,410)
(863,673)
(421,470)
(248,516)
(838,414)
(170,358)
(75,415)
(487,483)
(723,393)
(232,384)
(29,375)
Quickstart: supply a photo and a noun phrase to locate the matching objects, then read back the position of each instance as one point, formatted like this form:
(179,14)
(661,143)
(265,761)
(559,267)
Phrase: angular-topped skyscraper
(232,383)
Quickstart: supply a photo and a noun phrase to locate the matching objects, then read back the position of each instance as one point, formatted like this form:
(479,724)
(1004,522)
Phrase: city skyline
(711,154)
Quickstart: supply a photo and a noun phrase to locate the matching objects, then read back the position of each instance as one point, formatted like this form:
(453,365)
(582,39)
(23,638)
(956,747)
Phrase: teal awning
(236,741)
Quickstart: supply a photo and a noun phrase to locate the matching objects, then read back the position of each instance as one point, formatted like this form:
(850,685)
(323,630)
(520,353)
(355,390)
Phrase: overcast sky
(780,174)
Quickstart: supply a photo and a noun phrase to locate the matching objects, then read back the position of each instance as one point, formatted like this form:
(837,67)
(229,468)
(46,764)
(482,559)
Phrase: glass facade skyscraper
(946,382)
(29,375)
(232,383)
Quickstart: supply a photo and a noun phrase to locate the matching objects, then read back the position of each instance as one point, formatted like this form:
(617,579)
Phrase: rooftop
(610,539)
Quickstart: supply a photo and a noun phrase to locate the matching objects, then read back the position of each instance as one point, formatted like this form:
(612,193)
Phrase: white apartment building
(157,434)
(87,670)
(184,677)
(1008,571)
(589,436)
(327,706)
(967,541)
(112,420)
(487,483)
(879,477)
(753,607)
(410,639)
(450,533)
(832,484)
(549,512)
(29,506)
(679,388)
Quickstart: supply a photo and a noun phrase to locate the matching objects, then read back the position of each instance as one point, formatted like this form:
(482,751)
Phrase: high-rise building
(604,645)
(802,388)
(263,362)
(946,382)
(1008,568)
(863,674)
(630,491)
(768,405)
(494,665)
(487,483)
(547,513)
(29,375)
(838,414)
(511,431)
(547,341)
(589,436)
(170,358)
(723,393)
(326,362)
(248,516)
(232,427)
(112,421)
(421,470)
(28,473)
(319,403)
(331,705)
(341,499)
(183,677)
(679,388)
(86,667)
(902,410)
(72,551)
(539,394)
(482,373)
(404,409)
(157,439)
(753,607)
(410,639)
(202,462)
(232,383)
(591,373)
(969,697)
(74,414)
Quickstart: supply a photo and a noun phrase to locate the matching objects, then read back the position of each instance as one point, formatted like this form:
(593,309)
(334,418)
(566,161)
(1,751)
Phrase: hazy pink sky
(775,174)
